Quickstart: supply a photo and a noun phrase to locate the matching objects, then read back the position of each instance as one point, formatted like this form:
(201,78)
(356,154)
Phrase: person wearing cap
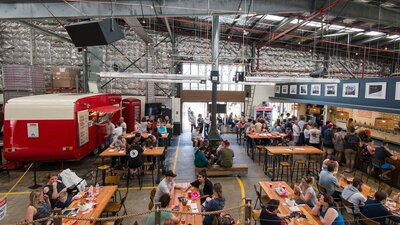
(225,155)
(327,144)
(166,186)
(139,139)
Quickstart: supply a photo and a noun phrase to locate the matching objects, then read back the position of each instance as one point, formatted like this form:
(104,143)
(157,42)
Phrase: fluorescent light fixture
(374,33)
(274,18)
(352,29)
(336,27)
(313,24)
(296,21)
(393,36)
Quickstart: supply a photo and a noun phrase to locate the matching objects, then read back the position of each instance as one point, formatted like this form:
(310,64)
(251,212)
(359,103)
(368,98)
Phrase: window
(227,74)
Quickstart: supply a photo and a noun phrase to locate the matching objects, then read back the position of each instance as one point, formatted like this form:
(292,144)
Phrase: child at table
(63,201)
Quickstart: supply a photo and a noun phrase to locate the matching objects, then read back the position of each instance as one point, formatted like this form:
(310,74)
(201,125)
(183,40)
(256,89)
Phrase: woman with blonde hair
(38,208)
(305,191)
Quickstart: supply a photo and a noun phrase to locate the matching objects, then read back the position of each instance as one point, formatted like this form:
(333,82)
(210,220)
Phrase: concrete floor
(138,199)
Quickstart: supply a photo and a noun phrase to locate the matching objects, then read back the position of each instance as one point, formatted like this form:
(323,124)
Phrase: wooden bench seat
(215,170)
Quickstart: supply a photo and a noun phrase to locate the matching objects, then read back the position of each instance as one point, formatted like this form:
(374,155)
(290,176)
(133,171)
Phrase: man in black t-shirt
(381,154)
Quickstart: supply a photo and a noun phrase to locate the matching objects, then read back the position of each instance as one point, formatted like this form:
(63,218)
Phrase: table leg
(103,174)
(273,167)
(158,168)
(252,149)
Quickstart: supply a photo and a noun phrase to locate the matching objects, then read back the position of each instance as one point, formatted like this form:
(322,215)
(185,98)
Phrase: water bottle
(97,188)
(91,192)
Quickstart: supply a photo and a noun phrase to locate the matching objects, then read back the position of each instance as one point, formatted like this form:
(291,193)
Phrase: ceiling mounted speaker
(92,33)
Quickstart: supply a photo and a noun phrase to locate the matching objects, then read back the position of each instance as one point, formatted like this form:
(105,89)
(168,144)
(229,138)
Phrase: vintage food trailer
(57,126)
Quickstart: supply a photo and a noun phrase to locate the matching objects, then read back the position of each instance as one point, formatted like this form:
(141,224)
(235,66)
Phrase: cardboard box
(65,77)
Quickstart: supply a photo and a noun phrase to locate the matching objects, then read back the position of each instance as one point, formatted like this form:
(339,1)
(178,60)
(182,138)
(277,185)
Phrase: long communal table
(262,136)
(103,197)
(268,188)
(189,219)
(276,151)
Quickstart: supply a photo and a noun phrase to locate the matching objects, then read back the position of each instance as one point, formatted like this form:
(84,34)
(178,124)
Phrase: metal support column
(85,71)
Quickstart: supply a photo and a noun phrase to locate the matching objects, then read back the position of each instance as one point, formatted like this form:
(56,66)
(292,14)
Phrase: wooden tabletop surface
(283,207)
(155,151)
(189,219)
(295,150)
(265,135)
(104,196)
(113,152)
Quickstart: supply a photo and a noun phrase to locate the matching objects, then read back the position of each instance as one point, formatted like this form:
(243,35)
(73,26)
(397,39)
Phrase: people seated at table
(289,137)
(327,212)
(166,186)
(53,188)
(117,131)
(206,148)
(39,207)
(315,135)
(143,125)
(213,203)
(204,185)
(329,181)
(139,139)
(225,155)
(162,129)
(135,162)
(119,142)
(305,191)
(352,193)
(151,141)
(396,197)
(197,139)
(381,154)
(63,201)
(375,209)
(351,144)
(269,214)
(164,216)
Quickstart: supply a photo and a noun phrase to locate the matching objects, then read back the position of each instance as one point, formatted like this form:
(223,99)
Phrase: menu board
(83,127)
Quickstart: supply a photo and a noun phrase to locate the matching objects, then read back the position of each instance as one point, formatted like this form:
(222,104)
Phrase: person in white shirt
(143,125)
(109,136)
(306,134)
(117,131)
(207,122)
(123,125)
(315,134)
(296,132)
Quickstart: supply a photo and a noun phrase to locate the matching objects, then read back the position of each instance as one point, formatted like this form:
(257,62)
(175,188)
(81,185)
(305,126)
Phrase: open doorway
(197,108)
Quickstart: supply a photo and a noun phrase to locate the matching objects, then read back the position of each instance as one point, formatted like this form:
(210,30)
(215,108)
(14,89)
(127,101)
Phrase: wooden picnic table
(103,197)
(144,135)
(260,136)
(268,188)
(366,190)
(189,219)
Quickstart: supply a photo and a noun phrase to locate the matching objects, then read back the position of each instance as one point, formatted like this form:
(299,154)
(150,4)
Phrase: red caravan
(57,126)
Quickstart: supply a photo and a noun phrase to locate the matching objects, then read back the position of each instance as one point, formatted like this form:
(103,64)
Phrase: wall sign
(330,89)
(284,89)
(350,90)
(277,89)
(33,130)
(315,89)
(293,89)
(83,127)
(303,89)
(375,90)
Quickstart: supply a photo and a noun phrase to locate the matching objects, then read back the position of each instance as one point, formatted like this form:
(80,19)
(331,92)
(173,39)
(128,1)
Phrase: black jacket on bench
(207,189)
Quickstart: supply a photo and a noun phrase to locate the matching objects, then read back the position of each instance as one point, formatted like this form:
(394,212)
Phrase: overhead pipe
(363,63)
(309,71)
(292,28)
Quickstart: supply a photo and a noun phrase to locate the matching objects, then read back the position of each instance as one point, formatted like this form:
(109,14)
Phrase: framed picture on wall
(277,89)
(397,97)
(284,89)
(315,89)
(293,89)
(375,90)
(350,90)
(330,89)
(303,89)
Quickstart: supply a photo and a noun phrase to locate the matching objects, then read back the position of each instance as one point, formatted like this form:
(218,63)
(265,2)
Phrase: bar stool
(299,165)
(268,161)
(282,166)
(313,167)
(103,169)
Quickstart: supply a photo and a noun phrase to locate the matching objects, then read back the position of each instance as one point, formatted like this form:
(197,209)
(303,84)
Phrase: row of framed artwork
(373,90)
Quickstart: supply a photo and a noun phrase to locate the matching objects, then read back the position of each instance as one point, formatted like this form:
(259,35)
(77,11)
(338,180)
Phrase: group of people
(52,197)
(210,196)
(205,157)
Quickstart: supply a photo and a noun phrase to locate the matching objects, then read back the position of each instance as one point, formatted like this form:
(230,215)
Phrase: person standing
(328,135)
(351,144)
(315,136)
(296,132)
(301,124)
(207,122)
(339,144)
(109,136)
(192,121)
(123,125)
(200,123)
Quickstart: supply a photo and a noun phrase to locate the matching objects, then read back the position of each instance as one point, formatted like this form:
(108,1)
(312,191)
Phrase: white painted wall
(262,94)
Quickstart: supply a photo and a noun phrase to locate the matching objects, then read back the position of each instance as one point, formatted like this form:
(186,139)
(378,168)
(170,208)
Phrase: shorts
(385,166)
(328,150)
(350,154)
(339,148)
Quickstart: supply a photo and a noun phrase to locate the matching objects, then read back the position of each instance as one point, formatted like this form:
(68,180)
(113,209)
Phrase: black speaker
(247,90)
(92,33)
(239,76)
